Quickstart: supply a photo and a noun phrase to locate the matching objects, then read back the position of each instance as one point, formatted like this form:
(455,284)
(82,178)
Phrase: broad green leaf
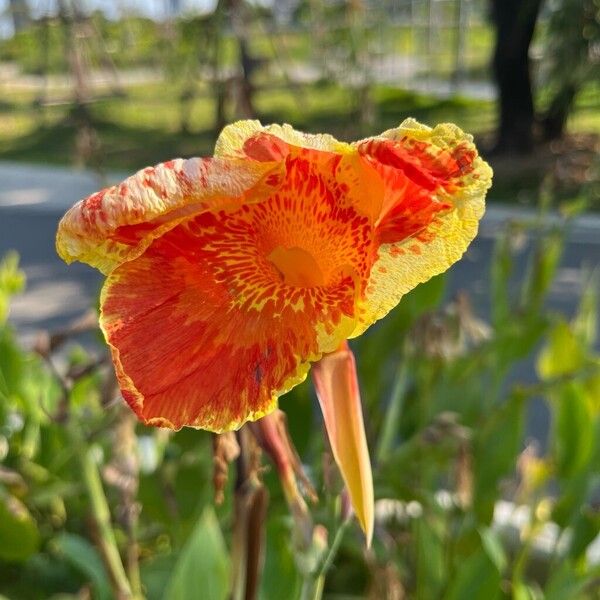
(566,582)
(541,270)
(495,453)
(476,578)
(573,430)
(564,353)
(584,531)
(430,555)
(501,270)
(520,591)
(592,388)
(202,569)
(574,494)
(493,546)
(19,535)
(516,339)
(80,554)
(280,570)
(12,281)
(12,365)
(585,323)
(156,572)
(425,297)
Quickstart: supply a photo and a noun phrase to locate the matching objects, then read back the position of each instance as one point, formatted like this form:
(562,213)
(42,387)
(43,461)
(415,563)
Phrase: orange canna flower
(228,276)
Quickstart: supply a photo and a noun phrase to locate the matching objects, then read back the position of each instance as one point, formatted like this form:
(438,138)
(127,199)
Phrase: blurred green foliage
(469,506)
(134,41)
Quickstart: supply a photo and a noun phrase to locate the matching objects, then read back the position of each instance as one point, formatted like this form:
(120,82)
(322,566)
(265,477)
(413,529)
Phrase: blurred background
(481,390)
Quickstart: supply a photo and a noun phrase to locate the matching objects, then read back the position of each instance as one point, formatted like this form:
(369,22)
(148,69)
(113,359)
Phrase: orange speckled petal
(435,196)
(233,138)
(118,223)
(224,312)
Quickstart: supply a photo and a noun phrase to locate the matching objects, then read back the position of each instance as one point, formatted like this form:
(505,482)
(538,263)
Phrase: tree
(573,34)
(515,22)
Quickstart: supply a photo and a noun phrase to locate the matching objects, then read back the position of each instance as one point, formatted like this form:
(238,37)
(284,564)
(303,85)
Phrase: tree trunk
(555,119)
(247,64)
(514,21)
(573,34)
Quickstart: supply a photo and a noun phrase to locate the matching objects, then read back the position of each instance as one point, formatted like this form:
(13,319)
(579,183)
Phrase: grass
(144,126)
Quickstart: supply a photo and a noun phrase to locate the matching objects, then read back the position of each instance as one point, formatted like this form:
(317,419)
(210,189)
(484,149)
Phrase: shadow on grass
(120,147)
(129,147)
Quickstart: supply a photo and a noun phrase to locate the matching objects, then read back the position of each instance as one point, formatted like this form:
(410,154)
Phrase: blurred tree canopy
(571,40)
(573,49)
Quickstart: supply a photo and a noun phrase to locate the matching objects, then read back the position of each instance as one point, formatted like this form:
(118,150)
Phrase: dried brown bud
(272,435)
(225,451)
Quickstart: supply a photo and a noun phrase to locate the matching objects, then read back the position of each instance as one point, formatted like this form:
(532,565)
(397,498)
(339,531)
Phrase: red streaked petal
(406,208)
(221,314)
(336,383)
(435,187)
(183,354)
(433,159)
(265,147)
(118,223)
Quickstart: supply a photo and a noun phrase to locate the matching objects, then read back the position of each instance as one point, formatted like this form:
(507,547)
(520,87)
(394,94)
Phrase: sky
(113,8)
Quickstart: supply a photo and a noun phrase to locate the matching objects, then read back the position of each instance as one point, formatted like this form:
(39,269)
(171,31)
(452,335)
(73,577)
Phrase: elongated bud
(336,383)
(272,435)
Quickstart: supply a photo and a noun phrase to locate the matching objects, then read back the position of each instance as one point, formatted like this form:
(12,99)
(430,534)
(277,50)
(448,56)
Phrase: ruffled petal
(118,223)
(233,139)
(224,312)
(435,187)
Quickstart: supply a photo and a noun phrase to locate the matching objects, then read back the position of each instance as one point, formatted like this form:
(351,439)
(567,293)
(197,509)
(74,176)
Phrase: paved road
(32,200)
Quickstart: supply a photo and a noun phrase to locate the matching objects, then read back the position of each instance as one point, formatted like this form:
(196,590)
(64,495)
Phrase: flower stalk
(101,516)
(250,506)
(314,581)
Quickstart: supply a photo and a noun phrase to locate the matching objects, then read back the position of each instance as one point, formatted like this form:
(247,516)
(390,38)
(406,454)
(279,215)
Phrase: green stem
(314,581)
(392,415)
(101,514)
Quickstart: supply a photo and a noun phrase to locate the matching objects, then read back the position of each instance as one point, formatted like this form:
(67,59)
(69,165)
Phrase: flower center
(297,267)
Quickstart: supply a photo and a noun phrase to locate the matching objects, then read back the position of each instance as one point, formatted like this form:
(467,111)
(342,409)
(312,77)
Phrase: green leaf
(19,535)
(501,270)
(493,547)
(425,297)
(585,530)
(573,430)
(12,365)
(203,564)
(430,554)
(477,578)
(156,572)
(585,323)
(516,339)
(566,582)
(80,554)
(280,570)
(541,270)
(12,281)
(495,453)
(521,591)
(563,355)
